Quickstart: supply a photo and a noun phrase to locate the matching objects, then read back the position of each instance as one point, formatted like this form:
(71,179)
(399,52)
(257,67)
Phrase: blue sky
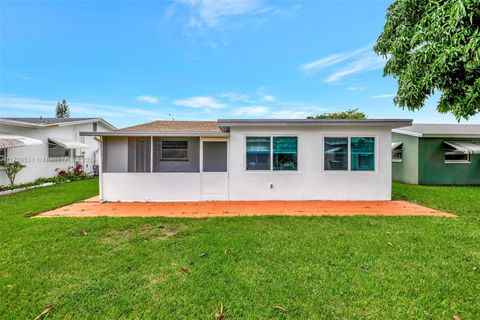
(135,61)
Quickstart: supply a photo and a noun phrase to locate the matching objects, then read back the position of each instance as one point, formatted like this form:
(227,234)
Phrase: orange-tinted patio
(93,208)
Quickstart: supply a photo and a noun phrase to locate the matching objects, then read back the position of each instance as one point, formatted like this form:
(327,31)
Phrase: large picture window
(258,153)
(362,153)
(358,151)
(284,153)
(272,153)
(174,150)
(336,154)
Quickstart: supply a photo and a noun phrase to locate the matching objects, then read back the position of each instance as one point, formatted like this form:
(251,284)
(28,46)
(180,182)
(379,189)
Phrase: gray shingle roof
(48,120)
(168,126)
(441,130)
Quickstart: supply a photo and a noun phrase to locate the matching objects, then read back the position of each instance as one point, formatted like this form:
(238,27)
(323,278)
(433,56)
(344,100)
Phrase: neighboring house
(48,145)
(437,154)
(304,159)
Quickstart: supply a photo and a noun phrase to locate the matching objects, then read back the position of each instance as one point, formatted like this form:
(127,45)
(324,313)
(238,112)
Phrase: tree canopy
(62,110)
(349,114)
(434,45)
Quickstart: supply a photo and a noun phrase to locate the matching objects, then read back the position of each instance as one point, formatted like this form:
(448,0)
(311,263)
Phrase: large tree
(434,45)
(62,110)
(349,114)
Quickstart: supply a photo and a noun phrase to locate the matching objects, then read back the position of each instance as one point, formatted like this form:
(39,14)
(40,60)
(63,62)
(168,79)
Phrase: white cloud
(37,107)
(235,97)
(268,98)
(371,62)
(212,13)
(323,63)
(148,99)
(359,60)
(251,111)
(200,102)
(264,96)
(357,88)
(383,96)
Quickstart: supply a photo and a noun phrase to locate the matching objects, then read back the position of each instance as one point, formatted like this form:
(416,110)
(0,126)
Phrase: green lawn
(313,267)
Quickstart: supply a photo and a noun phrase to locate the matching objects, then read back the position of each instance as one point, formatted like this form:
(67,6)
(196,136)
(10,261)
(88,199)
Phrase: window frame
(173,159)
(4,156)
(349,170)
(59,146)
(397,160)
(445,153)
(271,136)
(401,152)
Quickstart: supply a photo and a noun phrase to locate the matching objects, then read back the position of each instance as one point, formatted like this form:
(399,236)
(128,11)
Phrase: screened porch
(165,168)
(165,154)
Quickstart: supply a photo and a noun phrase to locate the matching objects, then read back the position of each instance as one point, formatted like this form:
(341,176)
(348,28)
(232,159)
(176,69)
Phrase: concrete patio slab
(93,208)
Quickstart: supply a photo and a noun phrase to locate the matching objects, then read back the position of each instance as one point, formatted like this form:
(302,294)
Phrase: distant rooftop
(440,130)
(169,126)
(48,120)
(45,122)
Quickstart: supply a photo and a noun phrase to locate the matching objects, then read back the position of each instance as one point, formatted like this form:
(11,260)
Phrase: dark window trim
(349,154)
(271,167)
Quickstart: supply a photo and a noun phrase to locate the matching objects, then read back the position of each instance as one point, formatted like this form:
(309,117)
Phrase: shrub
(12,169)
(74,174)
(78,170)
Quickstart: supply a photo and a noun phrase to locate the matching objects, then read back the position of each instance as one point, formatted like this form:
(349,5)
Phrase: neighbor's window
(454,156)
(174,150)
(284,153)
(258,153)
(397,153)
(57,151)
(3,156)
(336,153)
(362,151)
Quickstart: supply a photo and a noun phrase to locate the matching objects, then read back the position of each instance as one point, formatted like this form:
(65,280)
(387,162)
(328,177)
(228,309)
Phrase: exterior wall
(434,170)
(155,186)
(310,182)
(407,170)
(38,164)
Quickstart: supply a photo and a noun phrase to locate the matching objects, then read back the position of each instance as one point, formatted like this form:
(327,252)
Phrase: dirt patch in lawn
(146,232)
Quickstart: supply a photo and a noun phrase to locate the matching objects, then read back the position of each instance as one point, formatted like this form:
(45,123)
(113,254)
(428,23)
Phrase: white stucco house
(254,159)
(48,145)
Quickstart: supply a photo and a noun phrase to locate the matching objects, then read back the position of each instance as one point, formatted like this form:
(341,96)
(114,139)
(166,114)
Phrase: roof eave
(154,134)
(437,135)
(72,123)
(50,125)
(224,124)
(408,133)
(19,123)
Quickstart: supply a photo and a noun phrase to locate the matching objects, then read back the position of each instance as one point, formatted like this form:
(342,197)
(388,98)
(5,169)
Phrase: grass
(258,267)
